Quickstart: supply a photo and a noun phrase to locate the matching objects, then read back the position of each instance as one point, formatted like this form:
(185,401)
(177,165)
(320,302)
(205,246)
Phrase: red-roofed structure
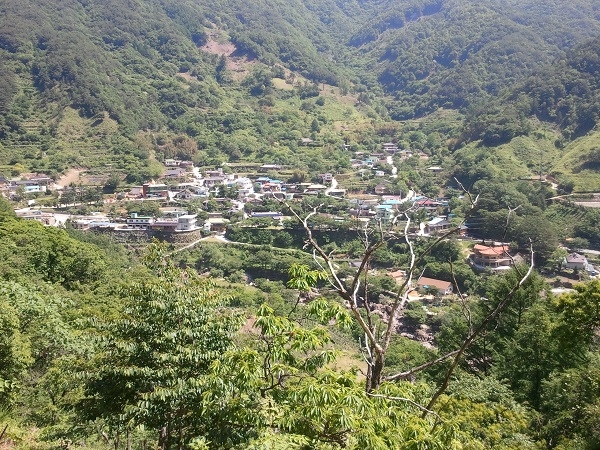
(494,257)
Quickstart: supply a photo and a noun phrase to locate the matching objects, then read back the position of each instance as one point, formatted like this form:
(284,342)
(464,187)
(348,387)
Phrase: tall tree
(151,361)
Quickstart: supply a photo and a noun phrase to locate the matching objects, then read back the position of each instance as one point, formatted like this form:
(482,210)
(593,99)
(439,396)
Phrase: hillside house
(28,186)
(275,215)
(381,189)
(437,225)
(187,222)
(395,201)
(427,204)
(339,192)
(428,284)
(214,181)
(494,257)
(326,177)
(216,225)
(165,225)
(315,189)
(139,222)
(174,173)
(398,276)
(390,147)
(155,190)
(186,164)
(385,213)
(169,162)
(435,169)
(214,173)
(47,219)
(576,261)
(266,167)
(188,194)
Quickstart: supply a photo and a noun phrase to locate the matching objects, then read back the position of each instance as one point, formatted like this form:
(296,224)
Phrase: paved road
(591,252)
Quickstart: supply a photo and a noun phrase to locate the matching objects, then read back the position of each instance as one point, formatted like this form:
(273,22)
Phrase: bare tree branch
(472,336)
(510,212)
(407,400)
(339,286)
(466,312)
(375,346)
(472,200)
(409,373)
(402,296)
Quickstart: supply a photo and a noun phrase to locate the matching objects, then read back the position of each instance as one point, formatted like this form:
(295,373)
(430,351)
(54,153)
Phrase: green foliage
(6,210)
(570,406)
(49,254)
(486,410)
(302,278)
(119,86)
(151,362)
(404,353)
(581,313)
(15,354)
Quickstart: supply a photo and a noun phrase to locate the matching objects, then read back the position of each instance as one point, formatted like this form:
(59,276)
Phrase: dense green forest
(94,83)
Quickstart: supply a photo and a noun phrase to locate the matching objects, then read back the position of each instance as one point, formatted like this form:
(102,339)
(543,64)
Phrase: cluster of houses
(389,149)
(175,221)
(494,257)
(578,262)
(28,183)
(182,182)
(179,183)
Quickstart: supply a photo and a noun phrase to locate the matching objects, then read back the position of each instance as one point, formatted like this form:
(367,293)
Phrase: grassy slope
(572,163)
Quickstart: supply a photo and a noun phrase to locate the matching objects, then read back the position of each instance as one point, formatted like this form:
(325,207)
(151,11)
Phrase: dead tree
(376,342)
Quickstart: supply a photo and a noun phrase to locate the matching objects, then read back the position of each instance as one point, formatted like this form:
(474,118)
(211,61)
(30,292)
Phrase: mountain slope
(233,81)
(458,53)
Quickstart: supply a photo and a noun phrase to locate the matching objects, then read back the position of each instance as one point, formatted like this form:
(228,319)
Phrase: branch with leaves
(376,344)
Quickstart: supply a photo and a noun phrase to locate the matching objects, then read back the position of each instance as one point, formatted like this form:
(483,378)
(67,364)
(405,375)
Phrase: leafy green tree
(580,313)
(49,253)
(570,404)
(148,208)
(283,389)
(15,353)
(151,362)
(113,182)
(6,209)
(486,410)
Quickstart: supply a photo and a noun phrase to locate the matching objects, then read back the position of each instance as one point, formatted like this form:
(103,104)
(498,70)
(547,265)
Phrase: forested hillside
(205,76)
(458,54)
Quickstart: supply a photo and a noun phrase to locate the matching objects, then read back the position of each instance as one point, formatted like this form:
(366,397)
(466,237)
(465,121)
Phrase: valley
(300,224)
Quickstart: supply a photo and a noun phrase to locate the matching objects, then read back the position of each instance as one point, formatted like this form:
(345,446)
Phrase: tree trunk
(162,439)
(375,372)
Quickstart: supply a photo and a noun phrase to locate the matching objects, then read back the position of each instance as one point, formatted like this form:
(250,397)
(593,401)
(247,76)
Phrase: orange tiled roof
(490,251)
